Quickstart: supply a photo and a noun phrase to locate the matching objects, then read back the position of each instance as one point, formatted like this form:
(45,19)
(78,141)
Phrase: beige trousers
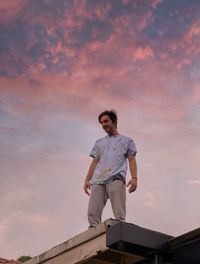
(116,192)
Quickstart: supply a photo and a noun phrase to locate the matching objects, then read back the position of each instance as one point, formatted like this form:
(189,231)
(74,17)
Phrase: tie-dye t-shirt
(112,152)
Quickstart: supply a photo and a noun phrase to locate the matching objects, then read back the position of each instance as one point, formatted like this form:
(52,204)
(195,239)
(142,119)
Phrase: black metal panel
(185,238)
(154,246)
(137,236)
(189,253)
(133,239)
(113,234)
(144,237)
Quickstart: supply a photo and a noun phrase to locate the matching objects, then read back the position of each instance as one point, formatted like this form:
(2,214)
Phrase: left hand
(133,185)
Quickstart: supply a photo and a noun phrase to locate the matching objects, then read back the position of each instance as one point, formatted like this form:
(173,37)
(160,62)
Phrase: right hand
(87,187)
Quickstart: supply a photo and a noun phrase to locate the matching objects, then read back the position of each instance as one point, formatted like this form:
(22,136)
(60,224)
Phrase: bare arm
(133,170)
(88,178)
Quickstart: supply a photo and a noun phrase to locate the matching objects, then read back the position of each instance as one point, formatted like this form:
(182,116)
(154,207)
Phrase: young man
(106,177)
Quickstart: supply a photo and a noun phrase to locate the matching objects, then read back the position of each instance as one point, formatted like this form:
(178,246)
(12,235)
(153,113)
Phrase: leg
(98,199)
(117,195)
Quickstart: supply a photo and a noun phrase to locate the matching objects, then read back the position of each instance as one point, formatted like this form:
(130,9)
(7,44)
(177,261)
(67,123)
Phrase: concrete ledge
(90,243)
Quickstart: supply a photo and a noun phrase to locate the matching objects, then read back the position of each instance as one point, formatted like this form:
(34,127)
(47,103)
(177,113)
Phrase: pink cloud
(142,53)
(10,9)
(188,43)
(85,94)
(94,83)
(197,181)
(102,10)
(150,201)
(154,3)
(6,129)
(81,9)
(11,3)
(125,2)
(130,22)
(196,93)
(99,11)
(120,71)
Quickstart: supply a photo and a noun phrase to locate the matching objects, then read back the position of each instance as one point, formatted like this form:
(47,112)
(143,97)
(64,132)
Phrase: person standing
(106,177)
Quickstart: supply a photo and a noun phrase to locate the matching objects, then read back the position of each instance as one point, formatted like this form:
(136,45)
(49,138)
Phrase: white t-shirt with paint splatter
(112,152)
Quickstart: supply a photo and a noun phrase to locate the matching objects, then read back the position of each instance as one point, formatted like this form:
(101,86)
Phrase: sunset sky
(62,62)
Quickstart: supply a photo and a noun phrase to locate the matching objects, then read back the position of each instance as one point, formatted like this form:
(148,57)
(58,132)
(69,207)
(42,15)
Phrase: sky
(62,63)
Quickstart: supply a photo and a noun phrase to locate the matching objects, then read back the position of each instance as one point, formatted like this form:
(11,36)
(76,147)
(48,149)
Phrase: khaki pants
(116,192)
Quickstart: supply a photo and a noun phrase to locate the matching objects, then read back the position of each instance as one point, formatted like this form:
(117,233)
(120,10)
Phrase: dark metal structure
(153,247)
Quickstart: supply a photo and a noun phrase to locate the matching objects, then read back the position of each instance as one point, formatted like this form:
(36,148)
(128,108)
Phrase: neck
(113,133)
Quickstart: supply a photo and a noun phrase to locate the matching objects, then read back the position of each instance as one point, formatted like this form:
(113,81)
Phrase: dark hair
(112,114)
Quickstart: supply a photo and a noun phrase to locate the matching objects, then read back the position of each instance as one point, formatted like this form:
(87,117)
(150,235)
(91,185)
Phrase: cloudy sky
(62,62)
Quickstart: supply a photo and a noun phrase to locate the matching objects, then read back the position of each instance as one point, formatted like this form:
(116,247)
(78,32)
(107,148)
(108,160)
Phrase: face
(107,124)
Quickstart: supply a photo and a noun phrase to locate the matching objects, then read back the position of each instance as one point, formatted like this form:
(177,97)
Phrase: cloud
(12,4)
(197,181)
(9,10)
(59,30)
(6,129)
(142,53)
(150,201)
(155,3)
